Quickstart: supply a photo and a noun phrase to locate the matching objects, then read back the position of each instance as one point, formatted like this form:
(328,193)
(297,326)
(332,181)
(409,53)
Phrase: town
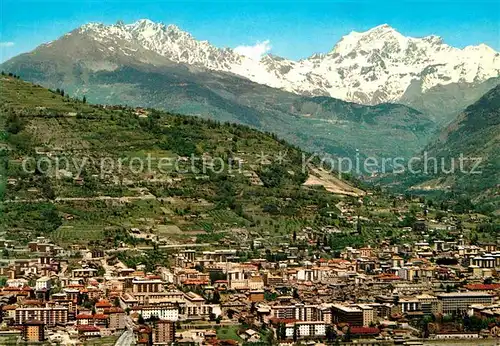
(430,280)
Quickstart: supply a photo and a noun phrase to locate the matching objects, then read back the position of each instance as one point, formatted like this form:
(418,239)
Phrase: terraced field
(77,233)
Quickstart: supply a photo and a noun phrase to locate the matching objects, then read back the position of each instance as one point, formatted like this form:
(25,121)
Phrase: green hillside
(474,136)
(110,179)
(445,102)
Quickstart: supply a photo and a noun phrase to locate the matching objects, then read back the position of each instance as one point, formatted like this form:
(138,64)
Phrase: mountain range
(371,67)
(340,102)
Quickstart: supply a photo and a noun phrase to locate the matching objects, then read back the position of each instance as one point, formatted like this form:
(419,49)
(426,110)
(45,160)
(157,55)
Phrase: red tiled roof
(275,320)
(388,277)
(8,288)
(83,316)
(153,277)
(103,304)
(364,330)
(86,328)
(142,329)
(482,287)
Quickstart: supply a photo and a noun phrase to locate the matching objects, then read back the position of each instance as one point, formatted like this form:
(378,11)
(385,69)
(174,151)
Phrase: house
(250,335)
(88,331)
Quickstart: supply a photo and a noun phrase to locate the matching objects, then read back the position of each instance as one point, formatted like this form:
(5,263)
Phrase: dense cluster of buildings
(379,293)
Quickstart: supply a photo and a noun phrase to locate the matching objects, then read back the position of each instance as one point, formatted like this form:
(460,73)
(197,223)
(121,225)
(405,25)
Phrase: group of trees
(41,218)
(63,93)
(151,259)
(278,175)
(10,74)
(474,323)
(216,275)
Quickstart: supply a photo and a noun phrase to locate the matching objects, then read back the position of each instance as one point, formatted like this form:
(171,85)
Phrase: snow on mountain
(369,67)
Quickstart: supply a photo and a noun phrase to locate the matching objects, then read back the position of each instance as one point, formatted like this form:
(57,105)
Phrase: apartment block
(49,316)
(460,301)
(164,333)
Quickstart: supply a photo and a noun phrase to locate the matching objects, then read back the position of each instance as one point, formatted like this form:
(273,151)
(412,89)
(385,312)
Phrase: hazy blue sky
(295,29)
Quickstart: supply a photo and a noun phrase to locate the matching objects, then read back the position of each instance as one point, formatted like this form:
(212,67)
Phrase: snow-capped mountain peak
(369,67)
(382,37)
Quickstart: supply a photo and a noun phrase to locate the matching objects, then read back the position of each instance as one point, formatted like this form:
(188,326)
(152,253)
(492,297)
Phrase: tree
(199,268)
(117,301)
(47,189)
(140,320)
(14,124)
(281,331)
(215,276)
(216,297)
(84,100)
(330,333)
(348,336)
(440,215)
(488,281)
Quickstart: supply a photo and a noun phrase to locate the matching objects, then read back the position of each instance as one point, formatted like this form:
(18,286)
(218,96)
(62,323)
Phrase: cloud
(255,52)
(6,44)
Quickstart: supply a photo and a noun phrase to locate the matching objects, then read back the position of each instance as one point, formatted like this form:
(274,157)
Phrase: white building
(167,312)
(43,283)
(306,329)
